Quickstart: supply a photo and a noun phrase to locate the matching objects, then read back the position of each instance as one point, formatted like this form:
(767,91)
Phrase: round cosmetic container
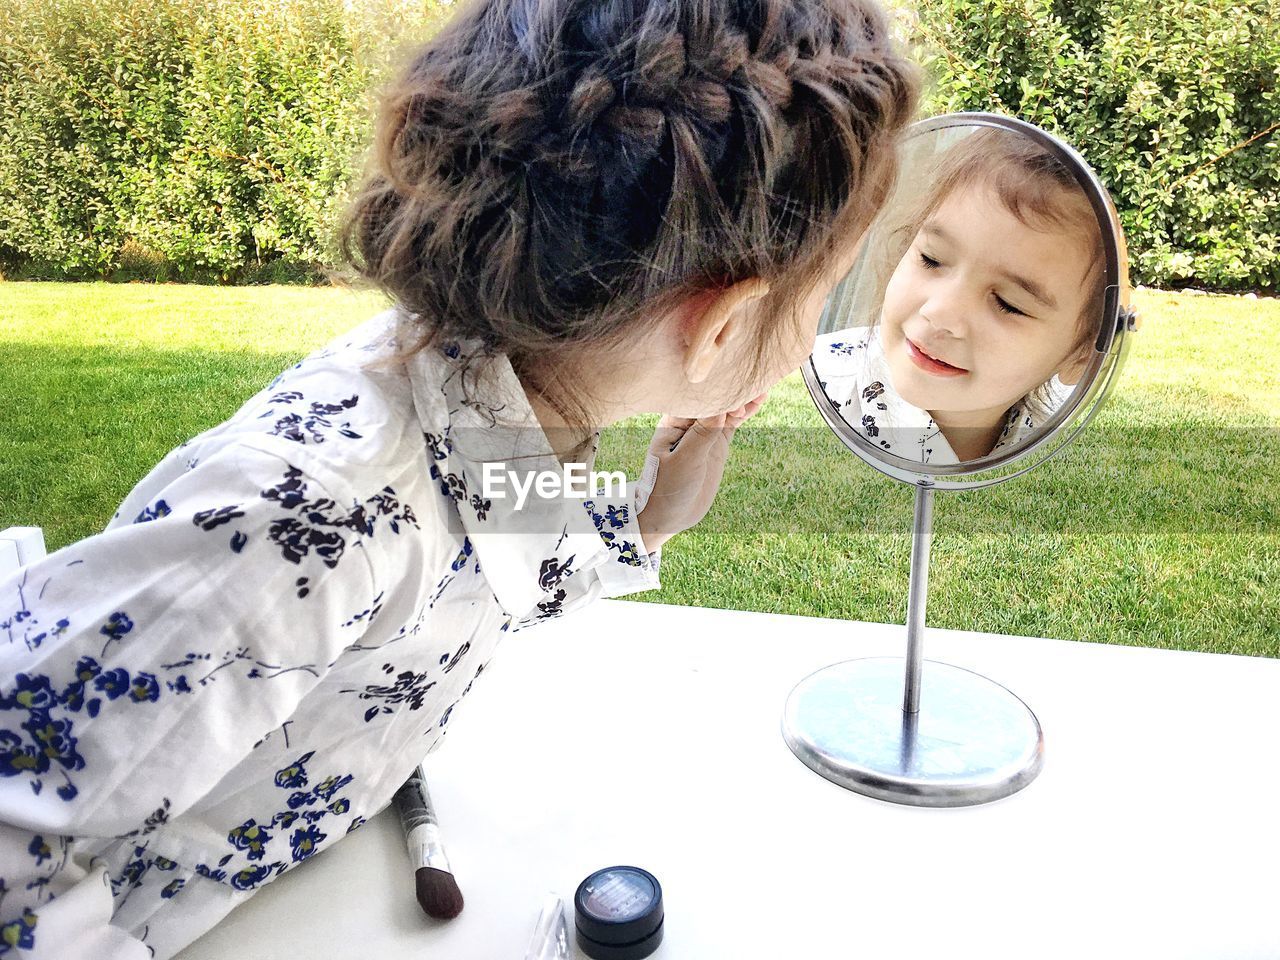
(618,914)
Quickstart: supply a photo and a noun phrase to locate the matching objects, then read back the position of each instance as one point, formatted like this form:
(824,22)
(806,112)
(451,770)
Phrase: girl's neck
(645,376)
(569,444)
(614,388)
(971,433)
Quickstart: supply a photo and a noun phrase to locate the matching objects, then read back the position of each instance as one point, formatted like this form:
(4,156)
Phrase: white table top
(649,734)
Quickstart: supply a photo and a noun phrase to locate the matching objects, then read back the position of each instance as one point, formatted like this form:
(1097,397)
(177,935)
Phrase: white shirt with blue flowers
(854,373)
(269,636)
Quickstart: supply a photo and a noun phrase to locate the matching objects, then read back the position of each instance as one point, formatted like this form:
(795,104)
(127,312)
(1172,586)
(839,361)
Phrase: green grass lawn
(1157,528)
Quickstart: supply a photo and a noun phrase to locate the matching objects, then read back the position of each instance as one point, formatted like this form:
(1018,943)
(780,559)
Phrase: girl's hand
(691,456)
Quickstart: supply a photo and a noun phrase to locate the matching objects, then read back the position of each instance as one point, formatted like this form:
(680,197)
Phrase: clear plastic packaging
(551,935)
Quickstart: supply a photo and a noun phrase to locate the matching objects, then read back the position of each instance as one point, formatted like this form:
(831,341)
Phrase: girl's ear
(711,322)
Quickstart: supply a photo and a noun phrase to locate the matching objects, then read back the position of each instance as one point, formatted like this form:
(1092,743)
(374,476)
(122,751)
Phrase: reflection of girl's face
(982,308)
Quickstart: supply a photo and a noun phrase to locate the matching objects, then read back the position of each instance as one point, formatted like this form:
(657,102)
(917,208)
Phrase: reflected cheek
(892,335)
(902,294)
(1008,369)
(895,313)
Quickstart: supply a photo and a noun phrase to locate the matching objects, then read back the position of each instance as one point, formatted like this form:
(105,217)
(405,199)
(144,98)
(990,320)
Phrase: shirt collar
(855,372)
(1026,418)
(912,431)
(473,410)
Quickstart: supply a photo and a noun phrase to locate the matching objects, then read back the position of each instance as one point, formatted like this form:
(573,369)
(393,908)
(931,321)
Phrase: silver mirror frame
(971,740)
(1110,348)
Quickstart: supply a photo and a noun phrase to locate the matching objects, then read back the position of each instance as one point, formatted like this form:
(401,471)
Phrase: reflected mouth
(929,364)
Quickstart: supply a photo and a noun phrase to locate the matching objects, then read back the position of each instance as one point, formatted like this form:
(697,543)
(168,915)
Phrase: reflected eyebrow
(1033,288)
(1036,290)
(932,228)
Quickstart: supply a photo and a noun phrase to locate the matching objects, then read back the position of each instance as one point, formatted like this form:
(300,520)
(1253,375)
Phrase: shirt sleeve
(624,566)
(139,665)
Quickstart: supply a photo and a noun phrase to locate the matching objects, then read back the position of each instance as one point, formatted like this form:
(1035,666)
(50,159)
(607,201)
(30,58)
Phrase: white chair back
(20,546)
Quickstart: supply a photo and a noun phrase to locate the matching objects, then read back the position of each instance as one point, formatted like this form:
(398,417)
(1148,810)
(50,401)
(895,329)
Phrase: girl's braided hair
(547,172)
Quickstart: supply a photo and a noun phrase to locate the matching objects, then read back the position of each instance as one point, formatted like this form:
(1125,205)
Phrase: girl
(990,313)
(582,211)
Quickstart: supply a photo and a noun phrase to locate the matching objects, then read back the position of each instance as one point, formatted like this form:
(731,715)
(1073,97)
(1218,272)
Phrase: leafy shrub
(176,139)
(218,139)
(1164,98)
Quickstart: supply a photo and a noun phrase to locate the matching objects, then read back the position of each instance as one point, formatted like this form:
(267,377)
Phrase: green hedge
(217,139)
(1162,97)
(186,139)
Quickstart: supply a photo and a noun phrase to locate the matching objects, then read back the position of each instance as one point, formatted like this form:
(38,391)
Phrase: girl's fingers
(706,429)
(669,431)
(746,411)
(677,423)
(702,435)
(752,405)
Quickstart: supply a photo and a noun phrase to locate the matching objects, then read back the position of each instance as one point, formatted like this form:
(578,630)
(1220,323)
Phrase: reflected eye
(1005,307)
(928,262)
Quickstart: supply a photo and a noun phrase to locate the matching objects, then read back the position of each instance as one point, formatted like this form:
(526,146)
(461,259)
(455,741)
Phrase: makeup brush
(437,891)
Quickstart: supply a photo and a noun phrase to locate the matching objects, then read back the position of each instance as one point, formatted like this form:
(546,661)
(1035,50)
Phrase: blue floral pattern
(297,826)
(614,518)
(316,422)
(318,524)
(213,715)
(409,688)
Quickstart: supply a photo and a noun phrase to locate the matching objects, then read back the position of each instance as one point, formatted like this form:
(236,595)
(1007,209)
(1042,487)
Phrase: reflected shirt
(273,631)
(854,373)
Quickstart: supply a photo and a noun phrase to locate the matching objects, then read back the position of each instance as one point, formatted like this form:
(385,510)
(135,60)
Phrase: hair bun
(549,172)
(772,82)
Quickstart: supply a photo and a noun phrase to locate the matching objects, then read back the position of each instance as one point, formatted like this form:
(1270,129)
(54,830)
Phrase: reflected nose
(947,308)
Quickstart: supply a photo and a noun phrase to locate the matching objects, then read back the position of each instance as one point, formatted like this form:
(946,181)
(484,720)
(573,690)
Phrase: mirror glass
(968,327)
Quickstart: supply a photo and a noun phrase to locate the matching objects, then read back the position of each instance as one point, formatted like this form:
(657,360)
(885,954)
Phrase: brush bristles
(438,893)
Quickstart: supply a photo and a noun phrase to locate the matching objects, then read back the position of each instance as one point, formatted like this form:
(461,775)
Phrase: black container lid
(618,912)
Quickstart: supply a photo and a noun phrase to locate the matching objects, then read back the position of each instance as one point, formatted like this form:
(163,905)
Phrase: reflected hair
(549,174)
(1029,180)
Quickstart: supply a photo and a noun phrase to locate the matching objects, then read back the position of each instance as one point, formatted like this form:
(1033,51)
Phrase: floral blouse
(272,632)
(854,373)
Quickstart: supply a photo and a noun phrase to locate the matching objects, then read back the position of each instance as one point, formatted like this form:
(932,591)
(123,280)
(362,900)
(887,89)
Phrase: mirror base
(972,742)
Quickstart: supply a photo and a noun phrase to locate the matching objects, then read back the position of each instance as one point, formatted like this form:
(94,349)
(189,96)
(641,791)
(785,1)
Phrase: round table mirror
(981,326)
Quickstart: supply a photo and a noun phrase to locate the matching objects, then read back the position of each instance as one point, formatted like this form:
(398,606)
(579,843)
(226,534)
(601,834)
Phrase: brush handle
(418,819)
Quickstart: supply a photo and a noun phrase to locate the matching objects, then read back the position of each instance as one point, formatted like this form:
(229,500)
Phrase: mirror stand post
(918,594)
(863,724)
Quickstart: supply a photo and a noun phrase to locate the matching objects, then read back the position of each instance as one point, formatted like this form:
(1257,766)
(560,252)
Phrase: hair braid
(546,172)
